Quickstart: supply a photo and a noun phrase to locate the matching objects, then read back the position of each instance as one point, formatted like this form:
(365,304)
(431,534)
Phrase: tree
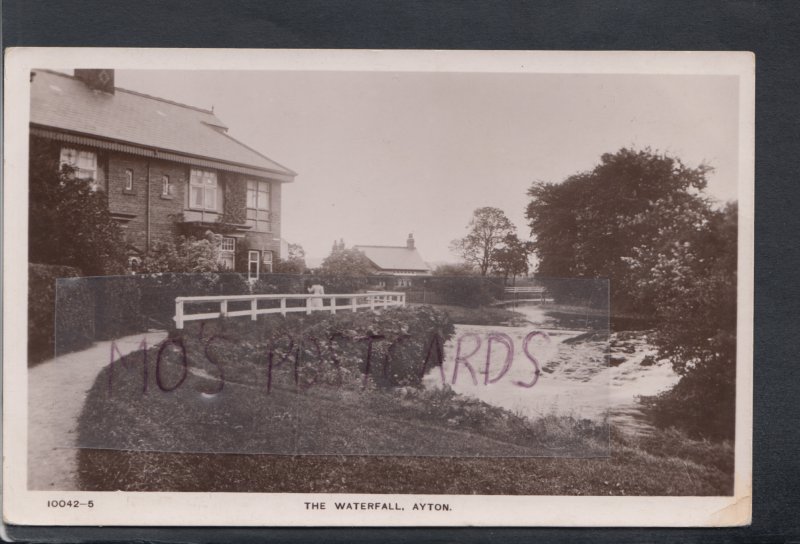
(346,263)
(295,263)
(641,219)
(512,258)
(69,222)
(488,229)
(591,224)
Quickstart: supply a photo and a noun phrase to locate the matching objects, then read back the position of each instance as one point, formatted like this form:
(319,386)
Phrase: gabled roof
(394,257)
(63,102)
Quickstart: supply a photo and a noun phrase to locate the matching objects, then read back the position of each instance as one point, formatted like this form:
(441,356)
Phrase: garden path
(56,392)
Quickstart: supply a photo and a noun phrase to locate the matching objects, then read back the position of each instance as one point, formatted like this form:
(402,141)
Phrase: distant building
(396,261)
(167,168)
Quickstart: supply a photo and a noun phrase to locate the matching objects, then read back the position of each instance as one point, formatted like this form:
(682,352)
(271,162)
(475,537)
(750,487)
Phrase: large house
(396,261)
(167,168)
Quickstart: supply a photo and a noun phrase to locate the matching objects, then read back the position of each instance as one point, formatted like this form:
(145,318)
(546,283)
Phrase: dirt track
(56,390)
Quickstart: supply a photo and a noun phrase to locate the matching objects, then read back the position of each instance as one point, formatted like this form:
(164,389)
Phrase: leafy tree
(512,258)
(184,255)
(594,222)
(642,220)
(69,222)
(295,263)
(693,285)
(488,229)
(346,263)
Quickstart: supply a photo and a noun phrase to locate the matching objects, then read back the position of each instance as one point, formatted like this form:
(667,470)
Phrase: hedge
(469,291)
(75,314)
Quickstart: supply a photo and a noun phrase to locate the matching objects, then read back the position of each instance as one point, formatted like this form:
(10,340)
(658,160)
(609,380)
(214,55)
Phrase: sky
(380,155)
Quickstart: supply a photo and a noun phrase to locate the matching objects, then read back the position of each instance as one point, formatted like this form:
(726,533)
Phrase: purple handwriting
(468,356)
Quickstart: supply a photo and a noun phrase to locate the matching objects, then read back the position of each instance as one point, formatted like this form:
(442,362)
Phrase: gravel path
(56,391)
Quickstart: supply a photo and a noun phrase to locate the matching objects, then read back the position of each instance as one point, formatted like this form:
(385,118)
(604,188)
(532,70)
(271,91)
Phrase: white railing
(537,290)
(283,304)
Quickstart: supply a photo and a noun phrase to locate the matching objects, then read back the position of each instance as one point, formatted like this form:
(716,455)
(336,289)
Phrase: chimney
(101,79)
(410,241)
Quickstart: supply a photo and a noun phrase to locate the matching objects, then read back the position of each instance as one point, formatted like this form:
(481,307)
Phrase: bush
(469,291)
(42,309)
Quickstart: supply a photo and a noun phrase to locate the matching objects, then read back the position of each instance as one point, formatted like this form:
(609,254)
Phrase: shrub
(42,308)
(469,291)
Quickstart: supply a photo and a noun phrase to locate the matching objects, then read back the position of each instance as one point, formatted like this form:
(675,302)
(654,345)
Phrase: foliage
(693,285)
(488,230)
(594,222)
(235,201)
(344,270)
(469,291)
(69,222)
(458,269)
(42,311)
(295,263)
(74,315)
(641,220)
(512,258)
(117,310)
(184,255)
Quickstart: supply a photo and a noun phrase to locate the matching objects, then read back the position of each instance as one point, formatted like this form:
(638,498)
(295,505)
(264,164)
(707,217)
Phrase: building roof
(394,257)
(64,102)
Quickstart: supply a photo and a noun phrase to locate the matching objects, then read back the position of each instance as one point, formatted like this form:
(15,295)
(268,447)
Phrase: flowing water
(586,376)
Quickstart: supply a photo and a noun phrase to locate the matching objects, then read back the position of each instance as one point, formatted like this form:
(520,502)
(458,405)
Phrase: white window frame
(227,255)
(166,185)
(206,182)
(129,179)
(253,257)
(267,258)
(259,202)
(84,162)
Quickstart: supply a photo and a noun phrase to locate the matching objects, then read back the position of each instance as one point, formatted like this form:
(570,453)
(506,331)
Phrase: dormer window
(83,162)
(203,190)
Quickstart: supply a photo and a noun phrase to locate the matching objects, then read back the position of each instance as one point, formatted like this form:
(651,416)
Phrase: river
(576,377)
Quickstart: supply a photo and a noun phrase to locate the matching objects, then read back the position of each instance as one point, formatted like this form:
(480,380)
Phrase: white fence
(535,290)
(255,305)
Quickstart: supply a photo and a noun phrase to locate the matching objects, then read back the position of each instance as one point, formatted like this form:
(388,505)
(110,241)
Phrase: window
(227,253)
(267,256)
(84,162)
(253,259)
(129,180)
(258,203)
(166,188)
(203,190)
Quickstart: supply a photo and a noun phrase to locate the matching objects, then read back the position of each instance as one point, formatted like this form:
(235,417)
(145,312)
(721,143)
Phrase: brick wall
(165,211)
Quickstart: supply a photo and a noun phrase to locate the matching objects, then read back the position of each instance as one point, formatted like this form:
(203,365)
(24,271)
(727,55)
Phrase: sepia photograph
(382,283)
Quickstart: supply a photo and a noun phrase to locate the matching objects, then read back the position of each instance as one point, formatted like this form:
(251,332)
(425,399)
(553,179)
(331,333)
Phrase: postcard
(293,288)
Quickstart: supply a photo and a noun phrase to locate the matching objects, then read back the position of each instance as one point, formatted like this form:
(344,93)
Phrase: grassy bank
(165,429)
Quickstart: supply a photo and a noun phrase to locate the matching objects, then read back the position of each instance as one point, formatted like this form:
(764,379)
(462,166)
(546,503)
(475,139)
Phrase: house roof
(64,102)
(394,257)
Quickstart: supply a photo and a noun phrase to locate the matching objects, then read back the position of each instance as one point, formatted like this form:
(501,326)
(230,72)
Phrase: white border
(24,507)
